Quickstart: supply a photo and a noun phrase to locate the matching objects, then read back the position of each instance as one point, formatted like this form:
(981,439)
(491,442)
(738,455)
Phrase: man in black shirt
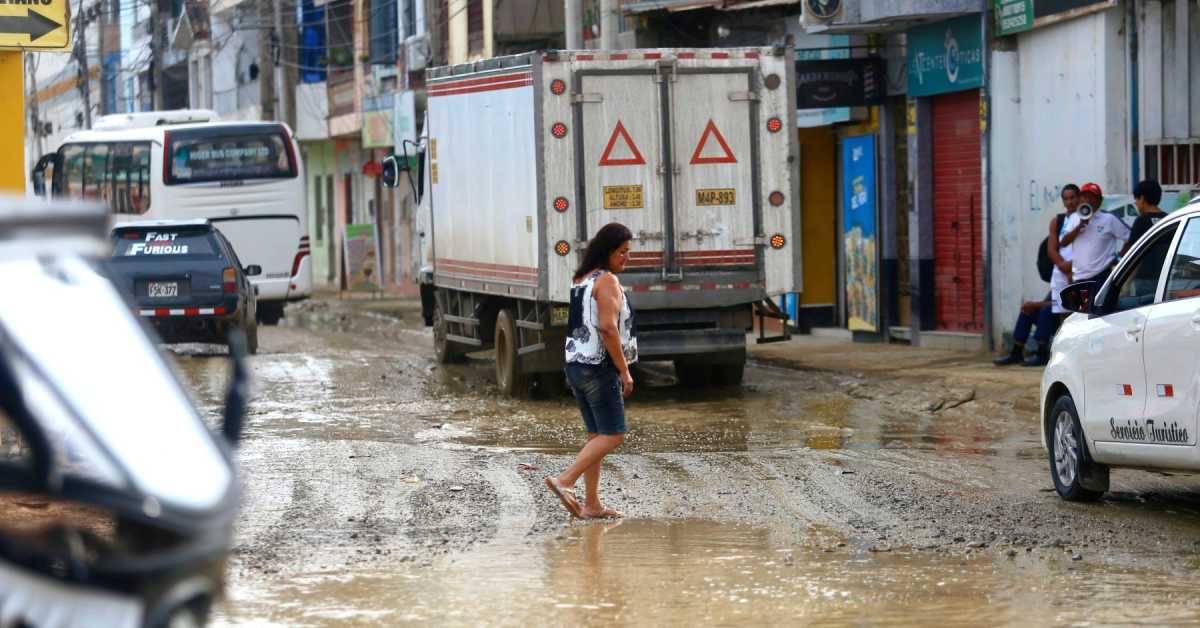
(1146,196)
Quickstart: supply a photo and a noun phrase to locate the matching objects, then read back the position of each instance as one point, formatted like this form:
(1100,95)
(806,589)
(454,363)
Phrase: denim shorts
(598,391)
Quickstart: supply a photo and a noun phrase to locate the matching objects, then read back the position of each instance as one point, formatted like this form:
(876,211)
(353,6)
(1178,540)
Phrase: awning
(646,6)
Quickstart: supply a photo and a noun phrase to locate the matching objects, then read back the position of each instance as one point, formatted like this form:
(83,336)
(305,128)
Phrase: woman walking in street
(600,347)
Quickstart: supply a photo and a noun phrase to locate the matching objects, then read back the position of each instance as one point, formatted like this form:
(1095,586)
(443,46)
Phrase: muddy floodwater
(383,489)
(703,573)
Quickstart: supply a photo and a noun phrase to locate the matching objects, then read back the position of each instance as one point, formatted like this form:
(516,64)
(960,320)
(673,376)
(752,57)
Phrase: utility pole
(266,59)
(84,82)
(156,57)
(608,24)
(35,116)
(573,23)
(285,36)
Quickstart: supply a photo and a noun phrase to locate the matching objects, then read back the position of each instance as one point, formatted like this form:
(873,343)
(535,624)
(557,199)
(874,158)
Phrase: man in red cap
(1095,237)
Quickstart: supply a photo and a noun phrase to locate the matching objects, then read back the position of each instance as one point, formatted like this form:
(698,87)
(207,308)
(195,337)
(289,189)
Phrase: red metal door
(957,212)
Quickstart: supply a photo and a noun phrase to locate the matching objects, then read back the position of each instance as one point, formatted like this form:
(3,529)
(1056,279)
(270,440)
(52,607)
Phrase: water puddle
(776,409)
(701,572)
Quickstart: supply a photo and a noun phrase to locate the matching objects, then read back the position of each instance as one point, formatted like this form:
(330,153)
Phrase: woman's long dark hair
(609,238)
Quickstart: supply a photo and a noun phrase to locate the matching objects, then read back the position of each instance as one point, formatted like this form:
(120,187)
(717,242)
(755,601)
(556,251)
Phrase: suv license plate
(163,289)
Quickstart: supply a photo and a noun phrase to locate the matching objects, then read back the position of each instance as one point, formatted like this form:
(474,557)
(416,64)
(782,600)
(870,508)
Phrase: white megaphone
(1085,211)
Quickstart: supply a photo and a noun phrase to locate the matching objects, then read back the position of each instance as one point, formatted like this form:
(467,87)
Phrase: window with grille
(1174,163)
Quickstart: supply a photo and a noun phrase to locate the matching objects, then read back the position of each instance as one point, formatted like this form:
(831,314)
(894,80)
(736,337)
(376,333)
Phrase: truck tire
(728,374)
(509,377)
(693,374)
(444,350)
(270,312)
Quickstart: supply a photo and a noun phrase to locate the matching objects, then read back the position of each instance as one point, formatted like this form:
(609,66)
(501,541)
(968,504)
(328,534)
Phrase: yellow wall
(12,112)
(818,204)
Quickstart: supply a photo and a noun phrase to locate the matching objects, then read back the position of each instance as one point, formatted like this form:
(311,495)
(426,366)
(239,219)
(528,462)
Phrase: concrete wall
(1059,114)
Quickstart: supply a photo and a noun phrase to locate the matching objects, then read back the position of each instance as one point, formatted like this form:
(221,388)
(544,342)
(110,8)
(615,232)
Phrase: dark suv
(186,279)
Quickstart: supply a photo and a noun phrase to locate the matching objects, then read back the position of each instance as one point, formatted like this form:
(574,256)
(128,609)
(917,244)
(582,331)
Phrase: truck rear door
(716,163)
(670,153)
(620,152)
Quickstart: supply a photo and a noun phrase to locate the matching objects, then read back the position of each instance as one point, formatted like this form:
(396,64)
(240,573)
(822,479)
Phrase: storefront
(945,77)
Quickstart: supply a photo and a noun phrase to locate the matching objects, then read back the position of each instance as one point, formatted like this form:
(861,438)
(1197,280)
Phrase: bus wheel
(509,377)
(269,312)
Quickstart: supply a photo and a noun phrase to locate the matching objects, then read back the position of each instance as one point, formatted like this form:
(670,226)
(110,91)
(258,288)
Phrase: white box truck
(525,157)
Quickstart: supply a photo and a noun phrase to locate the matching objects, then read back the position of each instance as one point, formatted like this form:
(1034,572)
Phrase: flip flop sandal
(607,513)
(565,495)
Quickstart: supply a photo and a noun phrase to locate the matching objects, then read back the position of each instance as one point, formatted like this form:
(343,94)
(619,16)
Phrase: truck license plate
(716,196)
(163,289)
(623,197)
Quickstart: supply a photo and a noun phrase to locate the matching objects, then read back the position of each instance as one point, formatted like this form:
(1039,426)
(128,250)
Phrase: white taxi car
(1122,388)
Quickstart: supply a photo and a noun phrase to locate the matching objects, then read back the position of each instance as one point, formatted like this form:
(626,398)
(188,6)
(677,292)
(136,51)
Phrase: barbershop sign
(840,83)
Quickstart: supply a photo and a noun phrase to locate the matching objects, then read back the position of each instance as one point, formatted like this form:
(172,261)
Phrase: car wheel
(1070,462)
(270,313)
(251,330)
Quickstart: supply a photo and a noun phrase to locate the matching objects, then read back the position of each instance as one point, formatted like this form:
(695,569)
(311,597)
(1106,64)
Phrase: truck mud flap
(767,309)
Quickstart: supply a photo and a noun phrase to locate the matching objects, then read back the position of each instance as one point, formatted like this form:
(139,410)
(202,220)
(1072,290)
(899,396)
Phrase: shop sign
(945,56)
(859,240)
(840,83)
(1013,16)
(816,47)
(1016,16)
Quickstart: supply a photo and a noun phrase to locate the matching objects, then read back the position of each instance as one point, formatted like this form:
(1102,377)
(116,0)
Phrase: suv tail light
(229,280)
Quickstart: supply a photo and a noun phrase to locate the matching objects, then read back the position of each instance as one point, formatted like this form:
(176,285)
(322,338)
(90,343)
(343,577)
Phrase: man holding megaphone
(1095,238)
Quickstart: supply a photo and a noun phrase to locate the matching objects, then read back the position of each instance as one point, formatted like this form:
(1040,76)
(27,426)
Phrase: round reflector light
(561,204)
(558,87)
(775,198)
(772,81)
(559,130)
(774,125)
(778,241)
(562,248)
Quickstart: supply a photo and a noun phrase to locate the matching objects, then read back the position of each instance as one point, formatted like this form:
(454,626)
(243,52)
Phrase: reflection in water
(699,572)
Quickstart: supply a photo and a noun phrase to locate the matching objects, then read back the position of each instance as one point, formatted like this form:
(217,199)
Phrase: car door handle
(1196,320)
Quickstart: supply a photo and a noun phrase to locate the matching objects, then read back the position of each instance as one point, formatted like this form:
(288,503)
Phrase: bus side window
(118,178)
(139,178)
(95,173)
(72,159)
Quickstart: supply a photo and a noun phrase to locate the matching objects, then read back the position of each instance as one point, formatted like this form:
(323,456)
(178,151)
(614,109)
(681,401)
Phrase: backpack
(1045,265)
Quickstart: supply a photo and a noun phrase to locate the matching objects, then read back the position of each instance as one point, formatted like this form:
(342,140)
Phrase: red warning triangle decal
(711,130)
(636,156)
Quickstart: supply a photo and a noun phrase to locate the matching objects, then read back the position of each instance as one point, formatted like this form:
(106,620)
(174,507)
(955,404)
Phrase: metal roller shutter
(957,214)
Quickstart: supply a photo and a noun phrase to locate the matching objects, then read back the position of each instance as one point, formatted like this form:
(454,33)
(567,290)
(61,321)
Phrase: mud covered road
(381,489)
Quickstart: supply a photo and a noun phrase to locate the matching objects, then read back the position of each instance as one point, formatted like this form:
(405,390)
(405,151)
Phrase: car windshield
(163,242)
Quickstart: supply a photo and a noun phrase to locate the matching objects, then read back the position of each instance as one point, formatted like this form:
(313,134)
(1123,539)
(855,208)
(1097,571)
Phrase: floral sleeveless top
(584,345)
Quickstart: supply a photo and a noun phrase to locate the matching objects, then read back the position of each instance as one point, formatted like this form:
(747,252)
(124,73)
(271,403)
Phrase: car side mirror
(1078,297)
(239,389)
(253,270)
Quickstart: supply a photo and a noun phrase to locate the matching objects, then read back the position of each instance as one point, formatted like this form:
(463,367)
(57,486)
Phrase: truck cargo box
(693,150)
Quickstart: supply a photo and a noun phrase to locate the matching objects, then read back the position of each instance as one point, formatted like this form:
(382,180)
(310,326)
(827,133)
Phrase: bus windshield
(228,154)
